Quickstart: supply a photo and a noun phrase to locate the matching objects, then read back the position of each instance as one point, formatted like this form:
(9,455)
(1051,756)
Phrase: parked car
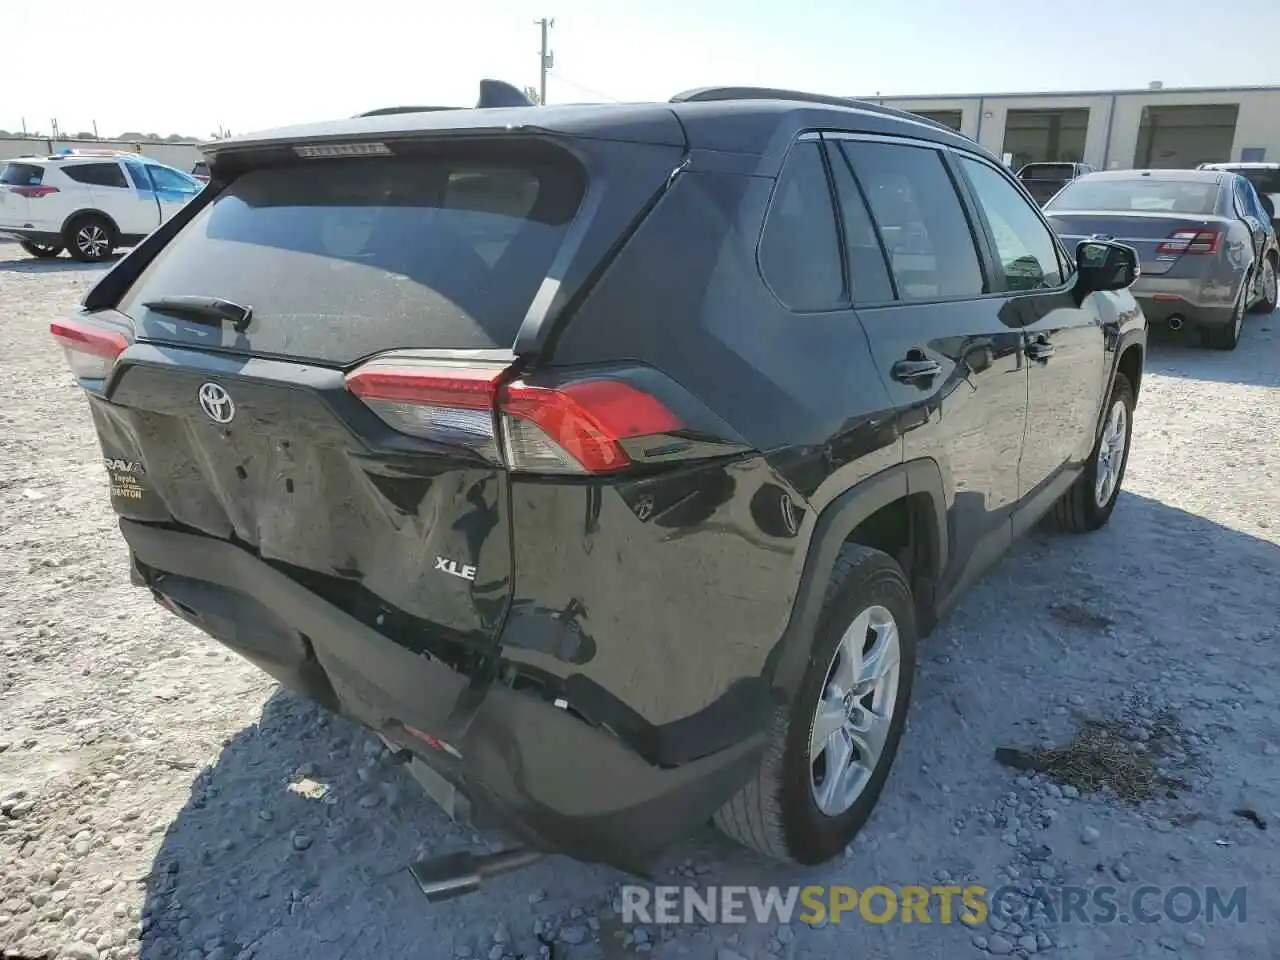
(608,461)
(201,172)
(88,202)
(1043,180)
(1205,238)
(1265,178)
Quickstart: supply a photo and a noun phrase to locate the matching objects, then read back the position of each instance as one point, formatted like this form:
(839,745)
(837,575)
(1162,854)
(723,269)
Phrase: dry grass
(1105,755)
(1102,757)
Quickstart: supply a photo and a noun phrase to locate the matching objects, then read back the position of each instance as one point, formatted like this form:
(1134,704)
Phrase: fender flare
(789,658)
(89,212)
(1134,338)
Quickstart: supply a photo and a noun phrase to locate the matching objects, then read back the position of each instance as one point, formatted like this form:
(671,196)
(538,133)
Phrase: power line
(577,86)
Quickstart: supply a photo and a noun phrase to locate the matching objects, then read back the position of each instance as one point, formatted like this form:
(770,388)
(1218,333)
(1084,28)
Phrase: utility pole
(546,59)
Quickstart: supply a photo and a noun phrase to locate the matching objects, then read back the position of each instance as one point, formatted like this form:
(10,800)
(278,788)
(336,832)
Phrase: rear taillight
(579,427)
(450,404)
(90,351)
(34,193)
(1190,241)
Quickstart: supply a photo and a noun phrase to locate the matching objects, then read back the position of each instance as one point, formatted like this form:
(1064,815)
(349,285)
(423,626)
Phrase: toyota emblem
(216,403)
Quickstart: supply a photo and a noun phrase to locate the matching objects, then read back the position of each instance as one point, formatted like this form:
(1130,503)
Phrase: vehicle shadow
(13,259)
(1254,362)
(295,841)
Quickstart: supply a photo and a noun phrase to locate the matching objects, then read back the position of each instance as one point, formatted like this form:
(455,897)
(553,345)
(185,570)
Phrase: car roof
(737,120)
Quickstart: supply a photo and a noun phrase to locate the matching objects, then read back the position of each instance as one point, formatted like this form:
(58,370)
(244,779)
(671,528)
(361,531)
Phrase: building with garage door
(1155,127)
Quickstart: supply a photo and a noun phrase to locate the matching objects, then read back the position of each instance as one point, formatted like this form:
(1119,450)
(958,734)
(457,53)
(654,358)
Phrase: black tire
(41,251)
(776,813)
(1268,302)
(1227,336)
(91,238)
(1078,510)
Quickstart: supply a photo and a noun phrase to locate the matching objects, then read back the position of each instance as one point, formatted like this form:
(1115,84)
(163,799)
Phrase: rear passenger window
(868,272)
(921,221)
(799,249)
(96,174)
(1026,249)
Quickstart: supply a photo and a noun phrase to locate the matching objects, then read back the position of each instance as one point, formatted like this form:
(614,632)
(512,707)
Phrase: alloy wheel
(852,720)
(92,240)
(1111,454)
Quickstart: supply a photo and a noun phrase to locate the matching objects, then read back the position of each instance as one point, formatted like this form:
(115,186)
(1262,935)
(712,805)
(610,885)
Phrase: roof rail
(72,152)
(388,111)
(714,94)
(493,93)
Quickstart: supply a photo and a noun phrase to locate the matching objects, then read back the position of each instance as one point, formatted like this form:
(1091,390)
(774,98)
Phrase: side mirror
(1268,205)
(1104,265)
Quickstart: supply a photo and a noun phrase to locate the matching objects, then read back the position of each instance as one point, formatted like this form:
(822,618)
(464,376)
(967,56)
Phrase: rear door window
(21,175)
(96,174)
(339,259)
(921,221)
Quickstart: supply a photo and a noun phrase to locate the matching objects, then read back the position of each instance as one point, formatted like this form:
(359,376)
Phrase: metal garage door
(1181,137)
(1039,136)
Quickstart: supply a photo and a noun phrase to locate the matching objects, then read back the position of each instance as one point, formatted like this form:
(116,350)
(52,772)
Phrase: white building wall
(984,117)
(180,155)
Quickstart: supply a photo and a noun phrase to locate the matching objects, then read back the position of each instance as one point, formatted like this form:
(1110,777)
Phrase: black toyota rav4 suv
(608,461)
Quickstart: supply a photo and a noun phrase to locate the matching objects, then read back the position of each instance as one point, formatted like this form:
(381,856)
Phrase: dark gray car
(1207,246)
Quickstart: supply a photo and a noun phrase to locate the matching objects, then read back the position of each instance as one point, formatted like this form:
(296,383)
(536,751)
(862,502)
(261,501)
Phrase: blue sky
(170,67)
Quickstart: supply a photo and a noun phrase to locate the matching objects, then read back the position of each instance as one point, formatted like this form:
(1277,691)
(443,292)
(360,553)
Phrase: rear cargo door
(15,180)
(286,340)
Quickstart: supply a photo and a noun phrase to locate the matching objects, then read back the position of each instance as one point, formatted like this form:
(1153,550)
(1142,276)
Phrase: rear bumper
(1197,302)
(559,784)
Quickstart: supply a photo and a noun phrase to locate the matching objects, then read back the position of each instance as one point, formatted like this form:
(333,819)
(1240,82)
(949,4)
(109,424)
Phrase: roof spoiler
(493,93)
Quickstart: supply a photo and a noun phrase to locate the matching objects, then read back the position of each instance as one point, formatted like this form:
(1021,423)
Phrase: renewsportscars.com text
(943,904)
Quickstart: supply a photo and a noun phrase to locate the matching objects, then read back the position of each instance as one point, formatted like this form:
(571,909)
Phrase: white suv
(88,203)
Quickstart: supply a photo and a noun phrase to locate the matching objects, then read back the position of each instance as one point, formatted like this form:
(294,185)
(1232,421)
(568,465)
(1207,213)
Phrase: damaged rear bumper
(557,783)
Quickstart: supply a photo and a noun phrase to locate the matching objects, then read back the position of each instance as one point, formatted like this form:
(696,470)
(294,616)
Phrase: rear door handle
(1039,350)
(908,371)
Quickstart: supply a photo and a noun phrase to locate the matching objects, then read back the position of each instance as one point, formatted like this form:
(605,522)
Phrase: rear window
(21,175)
(342,258)
(1139,195)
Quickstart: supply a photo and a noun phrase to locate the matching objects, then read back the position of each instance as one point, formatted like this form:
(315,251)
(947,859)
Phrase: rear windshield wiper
(204,310)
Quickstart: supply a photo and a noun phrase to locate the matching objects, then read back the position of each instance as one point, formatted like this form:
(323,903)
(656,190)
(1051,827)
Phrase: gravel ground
(161,798)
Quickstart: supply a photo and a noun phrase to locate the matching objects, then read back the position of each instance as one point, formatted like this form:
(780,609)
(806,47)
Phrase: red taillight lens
(1190,241)
(34,193)
(578,427)
(90,351)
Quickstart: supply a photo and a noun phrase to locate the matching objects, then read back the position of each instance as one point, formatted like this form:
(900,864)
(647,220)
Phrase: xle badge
(455,569)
